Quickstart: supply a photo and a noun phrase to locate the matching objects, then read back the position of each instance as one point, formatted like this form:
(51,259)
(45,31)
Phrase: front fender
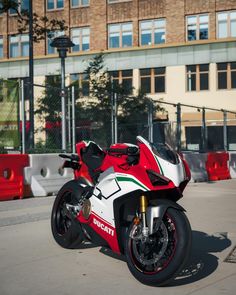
(158,210)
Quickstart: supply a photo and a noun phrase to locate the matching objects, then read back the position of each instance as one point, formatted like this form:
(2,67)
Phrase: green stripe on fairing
(159,165)
(124,178)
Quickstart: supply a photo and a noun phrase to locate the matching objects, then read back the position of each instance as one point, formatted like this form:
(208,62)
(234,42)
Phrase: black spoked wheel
(158,258)
(66,229)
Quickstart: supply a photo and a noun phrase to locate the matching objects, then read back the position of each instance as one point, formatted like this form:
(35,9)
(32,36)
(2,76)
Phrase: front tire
(66,230)
(160,258)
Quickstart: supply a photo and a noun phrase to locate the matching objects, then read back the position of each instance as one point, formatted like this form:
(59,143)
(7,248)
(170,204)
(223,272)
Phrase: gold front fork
(143,209)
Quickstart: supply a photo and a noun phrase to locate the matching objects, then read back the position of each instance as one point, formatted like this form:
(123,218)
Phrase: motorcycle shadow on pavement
(202,262)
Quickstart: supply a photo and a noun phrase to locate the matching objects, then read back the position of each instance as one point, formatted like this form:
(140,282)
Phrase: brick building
(180,51)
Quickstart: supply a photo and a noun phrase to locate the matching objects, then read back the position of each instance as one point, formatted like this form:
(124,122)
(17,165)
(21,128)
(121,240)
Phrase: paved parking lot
(32,263)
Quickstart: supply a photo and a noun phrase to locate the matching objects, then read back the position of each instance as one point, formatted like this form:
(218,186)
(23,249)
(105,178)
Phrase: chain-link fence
(184,127)
(9,116)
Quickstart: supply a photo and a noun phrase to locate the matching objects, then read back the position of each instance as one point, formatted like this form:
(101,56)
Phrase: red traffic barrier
(217,166)
(12,176)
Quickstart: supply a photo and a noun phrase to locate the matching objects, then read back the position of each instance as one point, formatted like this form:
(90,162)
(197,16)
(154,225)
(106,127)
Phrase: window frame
(55,34)
(79,4)
(19,9)
(2,47)
(197,73)
(19,46)
(228,72)
(80,36)
(120,32)
(228,24)
(121,77)
(153,28)
(198,23)
(80,79)
(152,77)
(55,6)
(117,1)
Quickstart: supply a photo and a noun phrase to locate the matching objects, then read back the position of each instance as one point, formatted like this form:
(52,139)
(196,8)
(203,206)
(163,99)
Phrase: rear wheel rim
(63,218)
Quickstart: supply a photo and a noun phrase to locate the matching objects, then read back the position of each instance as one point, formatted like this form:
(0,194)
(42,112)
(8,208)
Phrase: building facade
(179,51)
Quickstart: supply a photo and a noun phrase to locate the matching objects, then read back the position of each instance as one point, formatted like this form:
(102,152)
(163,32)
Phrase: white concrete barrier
(45,174)
(197,165)
(232,164)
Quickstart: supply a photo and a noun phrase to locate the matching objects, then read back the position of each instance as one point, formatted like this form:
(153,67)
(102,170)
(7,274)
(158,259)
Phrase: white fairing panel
(112,185)
(175,172)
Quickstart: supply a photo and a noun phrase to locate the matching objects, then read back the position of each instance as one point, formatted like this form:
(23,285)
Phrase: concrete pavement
(32,263)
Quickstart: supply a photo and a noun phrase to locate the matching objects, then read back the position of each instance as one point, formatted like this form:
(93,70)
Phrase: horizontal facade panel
(133,59)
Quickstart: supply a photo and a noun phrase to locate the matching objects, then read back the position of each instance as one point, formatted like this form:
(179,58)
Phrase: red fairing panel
(103,228)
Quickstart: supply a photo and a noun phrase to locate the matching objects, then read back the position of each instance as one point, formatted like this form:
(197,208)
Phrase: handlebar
(72,157)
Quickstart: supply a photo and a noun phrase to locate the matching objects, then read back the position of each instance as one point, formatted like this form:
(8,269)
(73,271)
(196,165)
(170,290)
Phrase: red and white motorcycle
(125,198)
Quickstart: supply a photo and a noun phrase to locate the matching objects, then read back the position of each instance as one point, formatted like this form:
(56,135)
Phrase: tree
(132,110)
(41,24)
(48,113)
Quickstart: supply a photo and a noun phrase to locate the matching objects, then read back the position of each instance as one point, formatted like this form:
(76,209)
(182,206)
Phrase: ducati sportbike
(125,198)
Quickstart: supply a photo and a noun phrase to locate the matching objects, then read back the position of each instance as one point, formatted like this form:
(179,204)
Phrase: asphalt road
(32,263)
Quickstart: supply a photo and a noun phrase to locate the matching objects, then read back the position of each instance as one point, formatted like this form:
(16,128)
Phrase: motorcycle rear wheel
(66,230)
(160,258)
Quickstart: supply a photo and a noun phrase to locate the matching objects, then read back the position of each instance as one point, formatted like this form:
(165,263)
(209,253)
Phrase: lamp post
(63,43)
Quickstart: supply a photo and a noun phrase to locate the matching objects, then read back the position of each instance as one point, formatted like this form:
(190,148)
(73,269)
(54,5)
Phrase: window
(120,35)
(152,32)
(226,74)
(51,36)
(23,5)
(153,80)
(124,78)
(55,4)
(1,47)
(81,83)
(81,38)
(78,3)
(117,1)
(197,77)
(19,45)
(226,24)
(197,27)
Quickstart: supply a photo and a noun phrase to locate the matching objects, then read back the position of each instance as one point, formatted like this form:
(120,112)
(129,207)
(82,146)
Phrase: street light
(63,43)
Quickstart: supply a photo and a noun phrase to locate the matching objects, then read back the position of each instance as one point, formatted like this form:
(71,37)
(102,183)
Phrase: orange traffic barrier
(12,176)
(217,166)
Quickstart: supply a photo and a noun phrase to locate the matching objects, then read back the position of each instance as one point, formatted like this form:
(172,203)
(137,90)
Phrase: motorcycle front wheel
(160,257)
(66,230)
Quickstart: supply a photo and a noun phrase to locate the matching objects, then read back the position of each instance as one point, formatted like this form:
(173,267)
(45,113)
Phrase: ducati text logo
(103,227)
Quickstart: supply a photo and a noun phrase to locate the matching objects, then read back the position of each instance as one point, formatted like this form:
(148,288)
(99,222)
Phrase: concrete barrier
(232,164)
(45,174)
(197,165)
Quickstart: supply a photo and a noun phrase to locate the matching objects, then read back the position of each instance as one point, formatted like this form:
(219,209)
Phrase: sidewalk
(32,263)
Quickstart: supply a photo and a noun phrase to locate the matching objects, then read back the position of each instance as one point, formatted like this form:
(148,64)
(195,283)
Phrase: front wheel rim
(154,257)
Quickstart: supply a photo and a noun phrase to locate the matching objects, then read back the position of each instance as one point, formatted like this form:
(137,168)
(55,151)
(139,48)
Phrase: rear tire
(66,230)
(160,259)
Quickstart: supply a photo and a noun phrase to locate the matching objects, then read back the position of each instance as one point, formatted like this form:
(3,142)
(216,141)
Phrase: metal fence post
(73,117)
(204,130)
(63,105)
(225,131)
(69,118)
(150,121)
(22,98)
(178,131)
(115,118)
